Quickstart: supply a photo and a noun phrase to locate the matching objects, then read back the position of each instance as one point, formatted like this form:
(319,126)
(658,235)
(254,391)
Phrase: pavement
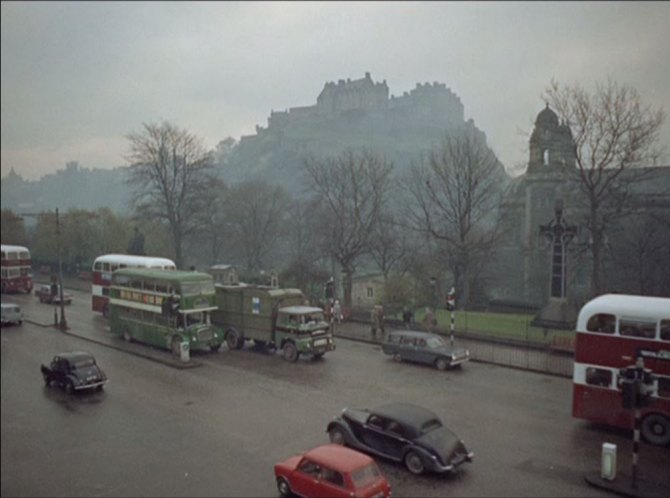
(622,485)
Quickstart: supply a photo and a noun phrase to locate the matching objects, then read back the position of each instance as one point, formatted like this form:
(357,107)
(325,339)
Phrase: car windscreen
(435,342)
(365,475)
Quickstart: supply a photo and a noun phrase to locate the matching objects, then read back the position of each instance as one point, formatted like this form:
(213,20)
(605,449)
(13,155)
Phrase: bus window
(602,322)
(664,387)
(598,377)
(665,330)
(630,328)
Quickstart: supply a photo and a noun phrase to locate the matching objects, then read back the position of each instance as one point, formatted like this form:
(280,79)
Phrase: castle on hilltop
(427,104)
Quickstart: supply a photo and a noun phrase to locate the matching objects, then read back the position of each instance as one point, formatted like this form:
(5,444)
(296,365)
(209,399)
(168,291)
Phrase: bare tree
(169,171)
(455,194)
(255,214)
(615,138)
(306,259)
(389,245)
(353,188)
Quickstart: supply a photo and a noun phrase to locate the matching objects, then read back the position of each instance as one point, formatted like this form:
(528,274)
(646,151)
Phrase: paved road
(218,428)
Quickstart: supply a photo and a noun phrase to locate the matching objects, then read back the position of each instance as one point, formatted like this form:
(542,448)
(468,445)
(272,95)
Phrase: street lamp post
(63,322)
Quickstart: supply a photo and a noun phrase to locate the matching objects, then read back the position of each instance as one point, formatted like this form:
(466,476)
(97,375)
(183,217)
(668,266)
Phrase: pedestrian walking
(337,311)
(429,320)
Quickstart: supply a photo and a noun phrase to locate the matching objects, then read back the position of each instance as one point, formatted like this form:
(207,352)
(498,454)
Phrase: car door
(333,484)
(305,479)
(394,439)
(59,368)
(423,353)
(372,433)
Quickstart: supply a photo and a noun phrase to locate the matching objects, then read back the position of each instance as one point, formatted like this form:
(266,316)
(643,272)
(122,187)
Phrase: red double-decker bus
(103,266)
(16,269)
(612,331)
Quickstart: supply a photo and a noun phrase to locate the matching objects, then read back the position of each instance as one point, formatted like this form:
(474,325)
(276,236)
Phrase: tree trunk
(347,287)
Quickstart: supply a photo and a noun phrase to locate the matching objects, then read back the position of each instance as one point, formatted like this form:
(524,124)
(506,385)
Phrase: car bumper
(436,466)
(90,386)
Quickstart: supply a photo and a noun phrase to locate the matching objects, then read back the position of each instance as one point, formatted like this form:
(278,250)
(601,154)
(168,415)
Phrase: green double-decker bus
(164,308)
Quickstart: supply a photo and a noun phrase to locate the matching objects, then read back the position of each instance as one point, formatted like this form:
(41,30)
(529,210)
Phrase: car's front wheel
(69,386)
(414,463)
(283,487)
(441,363)
(336,436)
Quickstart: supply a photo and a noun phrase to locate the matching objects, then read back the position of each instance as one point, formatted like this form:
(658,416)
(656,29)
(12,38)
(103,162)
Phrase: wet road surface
(217,430)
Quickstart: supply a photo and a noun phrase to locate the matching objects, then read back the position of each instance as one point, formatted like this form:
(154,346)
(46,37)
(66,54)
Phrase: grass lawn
(499,325)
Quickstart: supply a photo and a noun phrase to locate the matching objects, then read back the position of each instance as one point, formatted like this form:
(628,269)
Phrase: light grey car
(424,347)
(11,313)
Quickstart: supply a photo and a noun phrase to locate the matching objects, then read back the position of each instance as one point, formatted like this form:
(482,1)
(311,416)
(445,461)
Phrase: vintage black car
(402,432)
(74,371)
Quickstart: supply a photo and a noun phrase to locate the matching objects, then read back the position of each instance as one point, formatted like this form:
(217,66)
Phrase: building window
(371,292)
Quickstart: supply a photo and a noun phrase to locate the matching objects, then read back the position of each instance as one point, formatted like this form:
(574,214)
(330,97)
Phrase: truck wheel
(234,340)
(656,429)
(290,352)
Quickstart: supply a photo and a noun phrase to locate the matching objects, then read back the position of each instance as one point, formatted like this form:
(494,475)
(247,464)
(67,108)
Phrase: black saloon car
(74,371)
(402,432)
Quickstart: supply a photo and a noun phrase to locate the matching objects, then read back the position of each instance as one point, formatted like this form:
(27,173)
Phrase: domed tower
(551,145)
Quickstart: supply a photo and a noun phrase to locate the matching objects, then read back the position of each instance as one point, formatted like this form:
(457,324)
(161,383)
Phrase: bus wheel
(290,352)
(234,340)
(126,335)
(176,348)
(656,429)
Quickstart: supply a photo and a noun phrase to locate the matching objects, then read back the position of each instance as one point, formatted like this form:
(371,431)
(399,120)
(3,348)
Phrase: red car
(329,471)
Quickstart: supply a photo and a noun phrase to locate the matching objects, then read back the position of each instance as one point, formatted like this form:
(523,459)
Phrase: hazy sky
(77,77)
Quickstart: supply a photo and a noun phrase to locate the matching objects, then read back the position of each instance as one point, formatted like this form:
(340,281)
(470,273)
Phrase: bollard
(608,462)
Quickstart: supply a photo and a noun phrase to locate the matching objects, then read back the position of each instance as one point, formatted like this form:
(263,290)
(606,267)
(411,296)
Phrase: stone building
(524,258)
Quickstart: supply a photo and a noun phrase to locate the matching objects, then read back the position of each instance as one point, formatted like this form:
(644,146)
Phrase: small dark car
(424,347)
(74,371)
(401,432)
